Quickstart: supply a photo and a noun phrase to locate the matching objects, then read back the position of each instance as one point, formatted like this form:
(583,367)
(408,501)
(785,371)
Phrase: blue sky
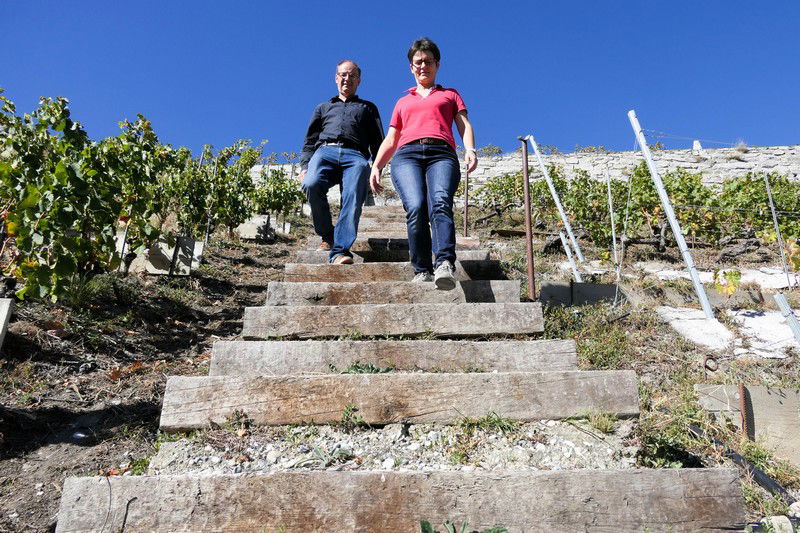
(214,72)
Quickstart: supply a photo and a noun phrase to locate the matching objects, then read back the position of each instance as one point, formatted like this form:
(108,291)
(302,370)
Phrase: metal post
(611,214)
(575,272)
(788,314)
(673,222)
(777,231)
(557,200)
(466,204)
(528,228)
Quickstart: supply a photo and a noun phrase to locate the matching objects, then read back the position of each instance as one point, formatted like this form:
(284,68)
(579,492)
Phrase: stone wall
(716,165)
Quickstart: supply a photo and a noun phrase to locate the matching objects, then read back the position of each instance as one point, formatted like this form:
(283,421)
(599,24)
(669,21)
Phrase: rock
(794,510)
(388,463)
(778,524)
(272,456)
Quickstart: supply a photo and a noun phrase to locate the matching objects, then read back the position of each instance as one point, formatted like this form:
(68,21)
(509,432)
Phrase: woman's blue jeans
(426,177)
(329,166)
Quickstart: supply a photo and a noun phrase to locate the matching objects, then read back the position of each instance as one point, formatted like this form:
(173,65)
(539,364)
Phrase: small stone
(272,456)
(388,463)
(39,485)
(539,447)
(414,446)
(794,510)
(551,423)
(214,459)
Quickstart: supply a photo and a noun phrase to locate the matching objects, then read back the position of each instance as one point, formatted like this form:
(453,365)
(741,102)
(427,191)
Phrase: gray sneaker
(422,277)
(443,277)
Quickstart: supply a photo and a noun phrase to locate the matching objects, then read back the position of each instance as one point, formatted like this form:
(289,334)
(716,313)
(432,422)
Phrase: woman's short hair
(423,44)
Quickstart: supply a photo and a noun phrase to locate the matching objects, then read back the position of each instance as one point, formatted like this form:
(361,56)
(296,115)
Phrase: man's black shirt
(355,122)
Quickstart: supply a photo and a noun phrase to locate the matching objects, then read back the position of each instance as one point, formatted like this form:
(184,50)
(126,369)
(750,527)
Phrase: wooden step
(374,256)
(366,272)
(270,358)
(377,210)
(677,500)
(385,227)
(191,402)
(384,292)
(391,241)
(468,319)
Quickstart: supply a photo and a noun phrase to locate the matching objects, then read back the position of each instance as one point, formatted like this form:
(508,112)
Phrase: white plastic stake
(611,214)
(788,314)
(673,222)
(565,244)
(556,199)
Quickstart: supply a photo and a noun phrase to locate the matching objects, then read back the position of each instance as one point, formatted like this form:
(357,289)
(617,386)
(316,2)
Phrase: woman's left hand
(471,160)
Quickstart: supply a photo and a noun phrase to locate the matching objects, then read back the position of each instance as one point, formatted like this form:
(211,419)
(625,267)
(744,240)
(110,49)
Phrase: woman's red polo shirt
(416,117)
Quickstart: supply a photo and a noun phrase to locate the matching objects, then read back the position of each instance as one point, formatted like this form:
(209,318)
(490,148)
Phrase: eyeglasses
(346,75)
(419,62)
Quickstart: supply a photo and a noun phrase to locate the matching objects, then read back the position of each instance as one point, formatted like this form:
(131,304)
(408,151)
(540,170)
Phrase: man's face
(347,79)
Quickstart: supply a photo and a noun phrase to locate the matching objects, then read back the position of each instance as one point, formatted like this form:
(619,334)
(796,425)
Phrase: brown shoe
(324,246)
(343,260)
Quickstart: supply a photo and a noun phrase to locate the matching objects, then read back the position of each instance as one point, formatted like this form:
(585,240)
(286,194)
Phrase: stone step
(396,241)
(385,292)
(375,256)
(677,500)
(366,272)
(444,320)
(192,402)
(269,358)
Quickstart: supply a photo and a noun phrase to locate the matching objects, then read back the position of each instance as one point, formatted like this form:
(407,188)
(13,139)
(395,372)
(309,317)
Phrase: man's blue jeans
(329,166)
(426,177)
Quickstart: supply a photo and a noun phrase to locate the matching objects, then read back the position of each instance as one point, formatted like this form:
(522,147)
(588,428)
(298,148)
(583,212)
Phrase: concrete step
(377,210)
(385,292)
(391,241)
(677,500)
(366,272)
(192,402)
(269,358)
(443,320)
(375,256)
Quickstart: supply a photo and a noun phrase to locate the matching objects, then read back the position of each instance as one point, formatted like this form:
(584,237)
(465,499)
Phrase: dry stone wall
(716,165)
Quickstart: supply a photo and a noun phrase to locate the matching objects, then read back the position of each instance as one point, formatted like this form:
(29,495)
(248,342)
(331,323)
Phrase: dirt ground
(81,385)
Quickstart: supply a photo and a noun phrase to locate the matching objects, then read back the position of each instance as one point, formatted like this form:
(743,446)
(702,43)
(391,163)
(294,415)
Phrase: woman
(425,168)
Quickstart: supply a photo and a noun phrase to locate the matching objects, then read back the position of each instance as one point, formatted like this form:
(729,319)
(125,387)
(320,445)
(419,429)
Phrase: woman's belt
(428,140)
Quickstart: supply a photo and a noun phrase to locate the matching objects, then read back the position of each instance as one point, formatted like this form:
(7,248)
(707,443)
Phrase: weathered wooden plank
(377,210)
(269,358)
(373,256)
(364,272)
(398,292)
(193,402)
(676,500)
(396,241)
(6,308)
(307,322)
(774,414)
(374,225)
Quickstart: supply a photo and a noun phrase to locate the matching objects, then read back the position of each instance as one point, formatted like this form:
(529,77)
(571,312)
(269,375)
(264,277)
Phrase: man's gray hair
(343,61)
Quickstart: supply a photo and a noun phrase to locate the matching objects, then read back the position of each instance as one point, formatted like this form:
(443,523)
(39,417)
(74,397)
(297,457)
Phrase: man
(343,132)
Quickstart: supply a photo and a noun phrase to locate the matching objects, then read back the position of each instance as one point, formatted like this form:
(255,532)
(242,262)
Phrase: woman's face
(424,68)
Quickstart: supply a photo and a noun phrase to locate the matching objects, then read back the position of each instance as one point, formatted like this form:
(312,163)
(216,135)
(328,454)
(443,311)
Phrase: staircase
(323,317)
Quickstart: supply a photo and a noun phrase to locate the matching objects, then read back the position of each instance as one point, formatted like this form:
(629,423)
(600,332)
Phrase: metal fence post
(673,222)
(528,228)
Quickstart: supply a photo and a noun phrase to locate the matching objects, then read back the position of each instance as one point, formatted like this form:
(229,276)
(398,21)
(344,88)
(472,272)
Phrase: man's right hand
(302,174)
(375,180)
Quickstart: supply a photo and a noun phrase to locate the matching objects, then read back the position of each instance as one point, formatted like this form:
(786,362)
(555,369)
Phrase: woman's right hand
(375,180)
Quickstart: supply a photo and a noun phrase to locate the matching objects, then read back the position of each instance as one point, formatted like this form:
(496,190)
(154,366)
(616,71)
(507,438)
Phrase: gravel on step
(544,445)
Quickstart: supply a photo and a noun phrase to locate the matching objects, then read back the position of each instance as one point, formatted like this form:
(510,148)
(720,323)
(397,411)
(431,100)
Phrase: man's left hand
(471,160)
(302,174)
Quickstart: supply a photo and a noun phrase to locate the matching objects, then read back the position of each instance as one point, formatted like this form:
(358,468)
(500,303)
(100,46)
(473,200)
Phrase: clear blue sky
(214,72)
